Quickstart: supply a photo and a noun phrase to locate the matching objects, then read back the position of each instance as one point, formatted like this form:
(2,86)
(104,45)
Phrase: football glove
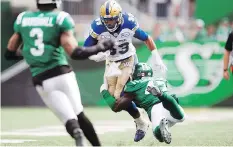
(101,56)
(157,64)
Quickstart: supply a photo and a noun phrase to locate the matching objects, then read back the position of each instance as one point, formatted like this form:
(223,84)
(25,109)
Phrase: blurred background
(190,35)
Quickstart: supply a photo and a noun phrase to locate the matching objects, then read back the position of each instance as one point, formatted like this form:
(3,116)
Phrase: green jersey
(40,32)
(143,98)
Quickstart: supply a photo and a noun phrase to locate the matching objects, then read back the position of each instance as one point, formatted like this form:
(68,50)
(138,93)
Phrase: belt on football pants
(56,71)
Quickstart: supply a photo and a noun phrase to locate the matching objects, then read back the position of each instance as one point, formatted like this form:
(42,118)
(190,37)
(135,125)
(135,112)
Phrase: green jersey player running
(42,33)
(152,95)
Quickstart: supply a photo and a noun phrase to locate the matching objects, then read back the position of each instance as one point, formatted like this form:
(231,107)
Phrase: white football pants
(61,94)
(158,112)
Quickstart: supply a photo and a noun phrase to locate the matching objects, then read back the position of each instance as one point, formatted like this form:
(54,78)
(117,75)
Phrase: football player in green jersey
(43,33)
(152,95)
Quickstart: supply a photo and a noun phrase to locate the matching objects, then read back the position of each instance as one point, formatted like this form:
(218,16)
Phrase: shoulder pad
(131,86)
(20,17)
(130,22)
(61,17)
(97,26)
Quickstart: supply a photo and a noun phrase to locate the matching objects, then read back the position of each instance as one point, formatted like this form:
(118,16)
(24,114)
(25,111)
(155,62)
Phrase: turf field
(39,127)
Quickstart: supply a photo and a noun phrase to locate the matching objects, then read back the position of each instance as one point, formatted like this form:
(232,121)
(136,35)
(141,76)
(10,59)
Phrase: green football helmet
(142,70)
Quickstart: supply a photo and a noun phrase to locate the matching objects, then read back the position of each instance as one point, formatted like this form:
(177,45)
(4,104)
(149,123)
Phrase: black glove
(105,45)
(12,55)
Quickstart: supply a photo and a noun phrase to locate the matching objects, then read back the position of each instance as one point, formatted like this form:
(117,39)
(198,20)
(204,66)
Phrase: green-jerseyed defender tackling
(152,95)
(42,33)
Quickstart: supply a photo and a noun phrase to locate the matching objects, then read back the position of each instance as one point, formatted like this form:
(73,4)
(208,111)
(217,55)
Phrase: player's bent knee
(71,125)
(183,115)
(182,119)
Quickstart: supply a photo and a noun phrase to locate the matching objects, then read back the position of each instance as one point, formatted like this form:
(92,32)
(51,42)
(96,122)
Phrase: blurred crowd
(175,21)
(194,30)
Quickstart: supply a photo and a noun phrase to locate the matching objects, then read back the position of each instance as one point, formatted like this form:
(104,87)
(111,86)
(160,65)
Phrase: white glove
(157,64)
(103,87)
(113,70)
(101,56)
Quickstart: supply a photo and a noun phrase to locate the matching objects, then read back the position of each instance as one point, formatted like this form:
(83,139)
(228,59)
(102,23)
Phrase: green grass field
(39,127)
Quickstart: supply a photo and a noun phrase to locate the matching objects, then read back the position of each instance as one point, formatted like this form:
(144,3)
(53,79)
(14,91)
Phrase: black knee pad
(71,125)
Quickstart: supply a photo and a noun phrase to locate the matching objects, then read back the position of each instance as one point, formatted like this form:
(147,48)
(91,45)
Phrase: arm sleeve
(90,41)
(18,22)
(141,35)
(93,33)
(16,28)
(229,43)
(65,21)
(131,87)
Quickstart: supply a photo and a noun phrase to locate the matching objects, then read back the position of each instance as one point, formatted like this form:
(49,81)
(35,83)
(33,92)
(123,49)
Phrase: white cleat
(166,135)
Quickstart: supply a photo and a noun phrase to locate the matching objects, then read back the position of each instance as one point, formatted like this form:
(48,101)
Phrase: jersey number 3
(124,49)
(38,33)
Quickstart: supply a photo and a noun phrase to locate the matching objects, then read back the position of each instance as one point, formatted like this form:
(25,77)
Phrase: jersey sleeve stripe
(135,28)
(19,18)
(93,34)
(61,16)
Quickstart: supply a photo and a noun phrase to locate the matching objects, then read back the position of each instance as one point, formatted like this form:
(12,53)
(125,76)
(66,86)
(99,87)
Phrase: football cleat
(141,127)
(79,138)
(139,135)
(166,135)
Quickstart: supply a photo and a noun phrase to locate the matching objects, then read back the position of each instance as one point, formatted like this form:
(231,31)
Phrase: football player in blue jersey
(120,60)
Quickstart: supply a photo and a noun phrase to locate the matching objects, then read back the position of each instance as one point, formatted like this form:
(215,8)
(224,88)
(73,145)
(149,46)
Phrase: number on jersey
(124,48)
(38,33)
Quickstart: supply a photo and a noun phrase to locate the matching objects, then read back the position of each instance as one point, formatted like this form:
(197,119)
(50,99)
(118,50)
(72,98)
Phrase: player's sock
(109,99)
(157,134)
(172,106)
(88,129)
(133,110)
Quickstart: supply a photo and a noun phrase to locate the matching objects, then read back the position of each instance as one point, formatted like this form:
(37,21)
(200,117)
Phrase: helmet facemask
(112,23)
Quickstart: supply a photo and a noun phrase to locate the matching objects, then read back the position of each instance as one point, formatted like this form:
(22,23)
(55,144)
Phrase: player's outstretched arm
(123,102)
(155,55)
(12,47)
(148,40)
(70,45)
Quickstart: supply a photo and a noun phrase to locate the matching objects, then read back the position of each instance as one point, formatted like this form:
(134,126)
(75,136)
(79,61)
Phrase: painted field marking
(15,140)
(107,126)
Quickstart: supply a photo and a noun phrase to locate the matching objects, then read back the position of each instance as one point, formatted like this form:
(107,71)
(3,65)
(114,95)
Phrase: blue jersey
(123,36)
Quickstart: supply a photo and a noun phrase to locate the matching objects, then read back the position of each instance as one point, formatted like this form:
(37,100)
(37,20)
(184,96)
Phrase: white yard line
(107,126)
(15,140)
